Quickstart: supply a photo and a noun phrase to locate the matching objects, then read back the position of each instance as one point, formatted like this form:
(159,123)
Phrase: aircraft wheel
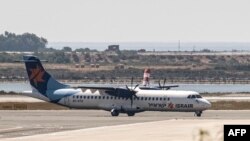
(198,113)
(131,114)
(114,113)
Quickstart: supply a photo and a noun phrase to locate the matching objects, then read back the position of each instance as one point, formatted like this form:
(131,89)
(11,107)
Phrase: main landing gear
(198,113)
(116,113)
(130,114)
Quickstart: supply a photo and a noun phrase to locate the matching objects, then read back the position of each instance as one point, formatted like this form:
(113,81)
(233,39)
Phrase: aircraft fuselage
(148,100)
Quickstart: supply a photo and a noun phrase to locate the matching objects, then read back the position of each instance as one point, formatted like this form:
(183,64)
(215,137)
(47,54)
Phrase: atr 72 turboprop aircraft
(129,100)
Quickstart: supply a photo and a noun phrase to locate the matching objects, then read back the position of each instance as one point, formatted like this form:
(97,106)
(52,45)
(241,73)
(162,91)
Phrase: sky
(128,20)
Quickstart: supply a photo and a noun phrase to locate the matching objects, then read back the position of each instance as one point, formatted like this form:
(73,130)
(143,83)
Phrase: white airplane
(114,99)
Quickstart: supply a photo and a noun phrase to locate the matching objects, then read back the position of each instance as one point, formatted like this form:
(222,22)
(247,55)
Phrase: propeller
(132,91)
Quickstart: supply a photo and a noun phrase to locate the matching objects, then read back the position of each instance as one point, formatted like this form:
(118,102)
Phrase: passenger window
(103,97)
(81,97)
(153,98)
(164,98)
(99,97)
(149,98)
(111,97)
(84,97)
(160,98)
(141,98)
(156,98)
(146,98)
(168,99)
(73,96)
(87,97)
(95,97)
(91,97)
(77,97)
(107,97)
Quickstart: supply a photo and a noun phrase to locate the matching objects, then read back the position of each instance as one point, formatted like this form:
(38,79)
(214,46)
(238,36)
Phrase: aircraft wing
(113,91)
(159,87)
(167,87)
(149,88)
(97,88)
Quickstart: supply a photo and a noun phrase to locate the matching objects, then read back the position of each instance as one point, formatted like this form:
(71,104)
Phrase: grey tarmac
(29,124)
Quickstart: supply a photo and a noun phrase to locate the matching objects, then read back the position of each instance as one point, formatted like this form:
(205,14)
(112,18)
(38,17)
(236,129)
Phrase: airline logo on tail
(36,75)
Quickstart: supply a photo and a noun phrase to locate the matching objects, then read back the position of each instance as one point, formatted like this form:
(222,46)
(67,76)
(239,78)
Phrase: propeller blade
(131,98)
(164,82)
(159,83)
(132,79)
(136,86)
(127,87)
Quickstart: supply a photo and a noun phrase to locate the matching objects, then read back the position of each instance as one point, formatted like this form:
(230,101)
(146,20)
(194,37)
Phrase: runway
(49,124)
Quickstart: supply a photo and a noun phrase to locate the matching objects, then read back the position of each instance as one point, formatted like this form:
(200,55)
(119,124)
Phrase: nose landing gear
(198,113)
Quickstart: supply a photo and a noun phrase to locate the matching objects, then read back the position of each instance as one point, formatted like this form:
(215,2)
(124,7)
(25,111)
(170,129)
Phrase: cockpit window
(193,96)
(198,96)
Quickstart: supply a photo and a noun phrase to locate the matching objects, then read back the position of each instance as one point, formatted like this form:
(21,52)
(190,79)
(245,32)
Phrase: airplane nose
(207,104)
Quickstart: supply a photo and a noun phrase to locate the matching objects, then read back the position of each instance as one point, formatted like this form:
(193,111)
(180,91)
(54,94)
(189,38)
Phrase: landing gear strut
(198,113)
(114,112)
